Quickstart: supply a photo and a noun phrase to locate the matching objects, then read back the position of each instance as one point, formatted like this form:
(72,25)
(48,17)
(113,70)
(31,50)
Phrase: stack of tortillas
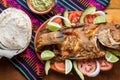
(15,32)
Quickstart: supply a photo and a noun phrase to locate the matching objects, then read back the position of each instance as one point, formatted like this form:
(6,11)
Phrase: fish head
(109,35)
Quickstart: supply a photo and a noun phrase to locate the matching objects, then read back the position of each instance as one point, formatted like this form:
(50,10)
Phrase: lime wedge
(68,66)
(110,57)
(99,19)
(47,67)
(77,71)
(52,26)
(47,54)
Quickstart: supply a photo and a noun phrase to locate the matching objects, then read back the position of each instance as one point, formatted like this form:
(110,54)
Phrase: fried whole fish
(80,42)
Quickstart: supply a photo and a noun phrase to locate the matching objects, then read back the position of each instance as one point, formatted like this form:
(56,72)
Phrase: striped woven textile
(27,62)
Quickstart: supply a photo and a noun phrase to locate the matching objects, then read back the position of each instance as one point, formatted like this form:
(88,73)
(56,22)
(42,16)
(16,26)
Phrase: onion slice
(96,72)
(101,13)
(66,19)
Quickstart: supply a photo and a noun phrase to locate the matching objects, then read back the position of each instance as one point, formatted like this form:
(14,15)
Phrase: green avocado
(89,10)
(77,71)
(47,67)
(67,23)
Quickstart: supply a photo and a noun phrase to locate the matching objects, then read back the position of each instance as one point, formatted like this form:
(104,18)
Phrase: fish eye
(117,26)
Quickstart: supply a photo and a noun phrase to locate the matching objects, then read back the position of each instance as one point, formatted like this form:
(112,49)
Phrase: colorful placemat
(27,62)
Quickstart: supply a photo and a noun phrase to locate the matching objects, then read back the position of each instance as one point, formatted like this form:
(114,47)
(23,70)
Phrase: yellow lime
(68,66)
(99,19)
(110,57)
(47,67)
(47,54)
(52,26)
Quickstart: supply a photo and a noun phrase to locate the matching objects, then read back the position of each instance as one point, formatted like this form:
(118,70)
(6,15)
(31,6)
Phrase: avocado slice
(115,52)
(47,67)
(77,71)
(89,10)
(67,23)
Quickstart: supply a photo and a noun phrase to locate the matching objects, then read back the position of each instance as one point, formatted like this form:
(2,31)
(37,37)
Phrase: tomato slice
(105,65)
(60,66)
(74,16)
(59,21)
(87,66)
(89,18)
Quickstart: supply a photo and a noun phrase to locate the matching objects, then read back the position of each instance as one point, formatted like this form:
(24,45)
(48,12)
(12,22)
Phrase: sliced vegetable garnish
(90,68)
(100,13)
(74,16)
(47,67)
(99,19)
(111,57)
(77,71)
(65,19)
(89,10)
(105,65)
(96,72)
(68,66)
(67,23)
(115,52)
(60,66)
(47,54)
(52,26)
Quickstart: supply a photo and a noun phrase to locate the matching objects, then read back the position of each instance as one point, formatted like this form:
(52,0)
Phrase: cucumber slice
(77,71)
(47,67)
(89,10)
(67,23)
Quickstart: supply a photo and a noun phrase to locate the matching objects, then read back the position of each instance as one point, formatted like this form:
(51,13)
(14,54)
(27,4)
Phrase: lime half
(110,57)
(68,66)
(99,19)
(52,26)
(47,54)
(47,67)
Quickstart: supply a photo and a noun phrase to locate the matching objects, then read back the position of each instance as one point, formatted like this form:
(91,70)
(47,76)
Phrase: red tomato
(74,16)
(89,18)
(105,65)
(87,66)
(60,66)
(58,20)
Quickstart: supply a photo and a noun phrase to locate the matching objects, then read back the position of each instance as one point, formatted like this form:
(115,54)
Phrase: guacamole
(41,5)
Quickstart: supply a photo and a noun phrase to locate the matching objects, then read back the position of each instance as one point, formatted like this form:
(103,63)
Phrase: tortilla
(15,31)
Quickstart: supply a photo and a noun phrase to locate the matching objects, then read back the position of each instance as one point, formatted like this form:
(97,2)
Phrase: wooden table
(8,72)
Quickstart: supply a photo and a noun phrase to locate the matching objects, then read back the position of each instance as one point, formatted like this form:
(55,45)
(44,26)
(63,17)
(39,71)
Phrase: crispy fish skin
(109,35)
(81,42)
